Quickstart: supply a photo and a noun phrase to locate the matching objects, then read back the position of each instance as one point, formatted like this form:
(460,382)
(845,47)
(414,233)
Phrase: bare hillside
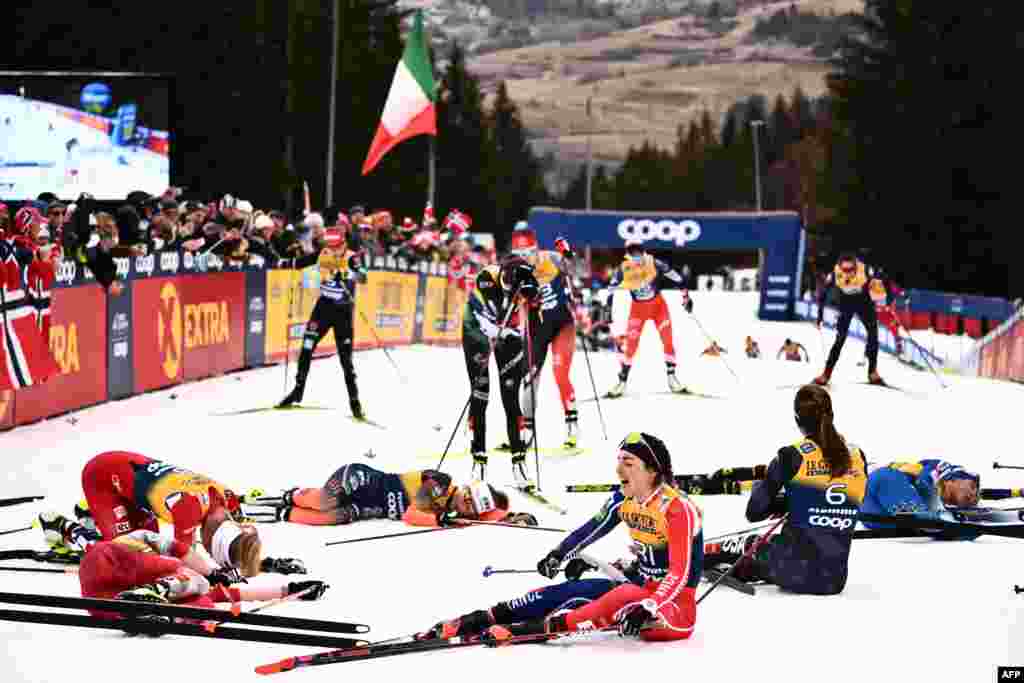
(646,81)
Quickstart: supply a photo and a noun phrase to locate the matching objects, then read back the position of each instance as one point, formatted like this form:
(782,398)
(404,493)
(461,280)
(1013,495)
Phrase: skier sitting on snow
(823,479)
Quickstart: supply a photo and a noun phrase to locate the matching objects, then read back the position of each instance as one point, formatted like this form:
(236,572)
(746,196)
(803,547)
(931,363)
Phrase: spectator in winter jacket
(163,234)
(169,210)
(131,232)
(78,243)
(55,217)
(261,241)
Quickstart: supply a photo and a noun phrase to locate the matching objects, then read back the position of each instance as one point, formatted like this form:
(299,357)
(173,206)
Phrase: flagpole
(431,176)
(432,151)
(329,195)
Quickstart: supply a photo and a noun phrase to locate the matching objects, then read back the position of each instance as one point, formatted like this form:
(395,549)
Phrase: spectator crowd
(233,230)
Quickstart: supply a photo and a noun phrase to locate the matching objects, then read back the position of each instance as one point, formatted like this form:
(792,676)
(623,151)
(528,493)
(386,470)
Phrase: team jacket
(339,271)
(645,279)
(667,534)
(555,298)
(814,546)
(486,308)
(902,487)
(174,494)
(863,286)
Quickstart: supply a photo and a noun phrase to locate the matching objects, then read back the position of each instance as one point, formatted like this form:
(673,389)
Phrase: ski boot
(673,384)
(499,635)
(620,388)
(293,397)
(572,429)
(472,624)
(520,479)
(64,536)
(357,409)
(823,379)
(151,592)
(480,465)
(876,379)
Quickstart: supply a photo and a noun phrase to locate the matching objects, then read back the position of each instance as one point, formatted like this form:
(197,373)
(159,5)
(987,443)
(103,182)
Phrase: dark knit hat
(651,450)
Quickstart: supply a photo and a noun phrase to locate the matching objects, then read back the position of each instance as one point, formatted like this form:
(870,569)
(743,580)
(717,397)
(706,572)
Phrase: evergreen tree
(464,152)
(922,101)
(515,177)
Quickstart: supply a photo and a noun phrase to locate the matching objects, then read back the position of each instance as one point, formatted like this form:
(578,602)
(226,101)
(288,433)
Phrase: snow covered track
(905,599)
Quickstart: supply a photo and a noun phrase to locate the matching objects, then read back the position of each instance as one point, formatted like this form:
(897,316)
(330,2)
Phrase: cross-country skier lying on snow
(656,591)
(127,491)
(421,498)
(929,489)
(823,479)
(144,566)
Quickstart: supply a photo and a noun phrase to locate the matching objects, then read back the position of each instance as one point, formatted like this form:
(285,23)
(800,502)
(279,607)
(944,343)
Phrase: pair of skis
(138,617)
(267,409)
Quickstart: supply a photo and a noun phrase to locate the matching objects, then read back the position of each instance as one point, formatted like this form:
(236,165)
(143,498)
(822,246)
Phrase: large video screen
(107,135)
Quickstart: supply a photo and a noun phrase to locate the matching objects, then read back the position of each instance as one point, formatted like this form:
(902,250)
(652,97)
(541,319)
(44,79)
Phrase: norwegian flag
(458,223)
(25,357)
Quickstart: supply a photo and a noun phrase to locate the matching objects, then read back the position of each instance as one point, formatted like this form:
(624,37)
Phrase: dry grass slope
(648,80)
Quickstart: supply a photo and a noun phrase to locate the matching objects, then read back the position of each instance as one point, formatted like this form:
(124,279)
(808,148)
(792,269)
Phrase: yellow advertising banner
(442,312)
(291,295)
(387,302)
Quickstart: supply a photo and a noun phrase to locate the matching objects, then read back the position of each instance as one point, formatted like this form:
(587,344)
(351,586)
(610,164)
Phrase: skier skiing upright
(645,276)
(340,269)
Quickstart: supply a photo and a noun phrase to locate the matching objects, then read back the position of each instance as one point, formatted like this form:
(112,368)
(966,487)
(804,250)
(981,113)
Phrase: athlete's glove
(549,566)
(576,567)
(226,576)
(447,518)
(521,518)
(563,248)
(687,302)
(318,588)
(283,565)
(636,617)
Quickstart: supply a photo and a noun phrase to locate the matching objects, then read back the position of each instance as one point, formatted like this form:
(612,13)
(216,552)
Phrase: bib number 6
(836,494)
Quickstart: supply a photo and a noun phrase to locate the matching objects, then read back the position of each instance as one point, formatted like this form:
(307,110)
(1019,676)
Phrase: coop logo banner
(679,233)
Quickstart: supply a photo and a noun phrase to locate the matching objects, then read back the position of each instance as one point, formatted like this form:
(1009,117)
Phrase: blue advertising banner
(255,317)
(779,234)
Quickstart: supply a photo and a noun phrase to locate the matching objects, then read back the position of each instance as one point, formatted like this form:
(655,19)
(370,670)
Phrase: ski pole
(708,337)
(535,377)
(593,384)
(5,502)
(373,331)
(504,323)
(924,354)
(475,522)
(14,531)
(404,533)
(40,570)
(288,328)
(748,554)
(491,571)
(590,371)
(454,431)
(997,466)
(737,533)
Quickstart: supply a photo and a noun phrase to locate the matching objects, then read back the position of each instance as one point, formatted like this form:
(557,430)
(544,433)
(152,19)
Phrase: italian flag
(409,110)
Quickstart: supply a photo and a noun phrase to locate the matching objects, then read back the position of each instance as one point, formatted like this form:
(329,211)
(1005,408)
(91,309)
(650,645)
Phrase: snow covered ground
(911,611)
(34,157)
